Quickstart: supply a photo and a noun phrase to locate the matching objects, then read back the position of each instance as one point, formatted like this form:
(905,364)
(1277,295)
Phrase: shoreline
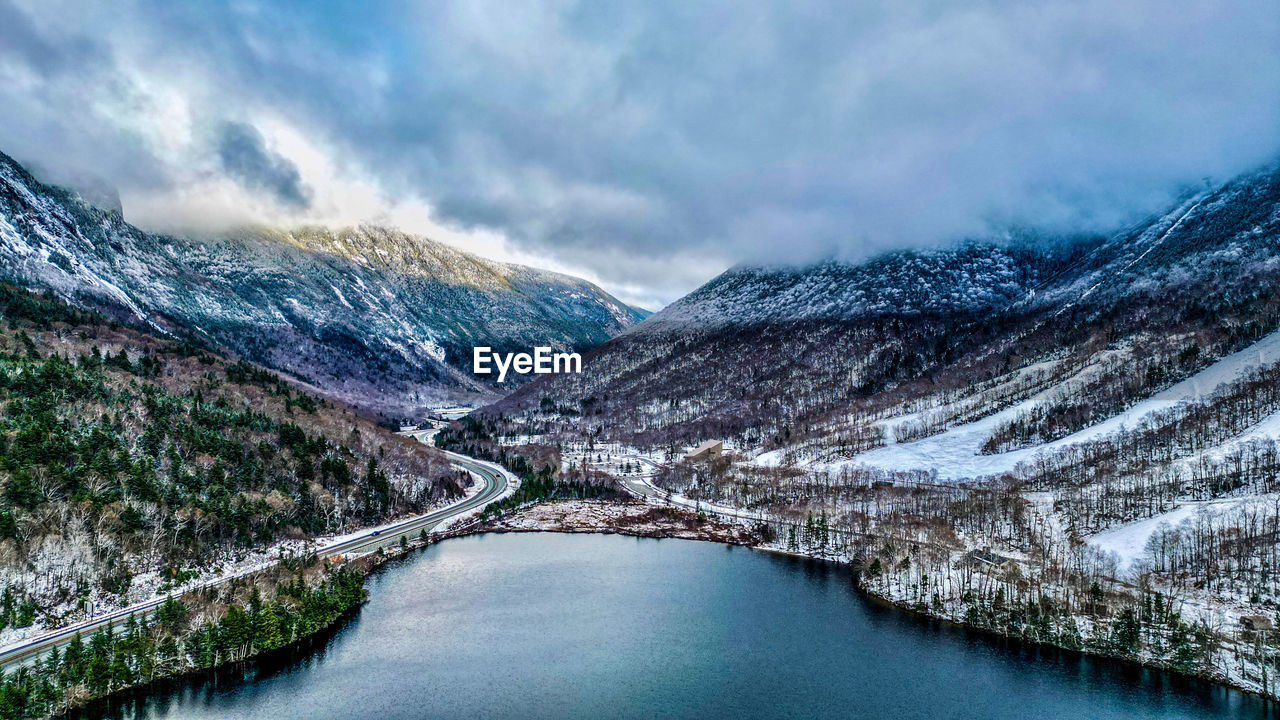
(104,705)
(631,518)
(716,533)
(364,566)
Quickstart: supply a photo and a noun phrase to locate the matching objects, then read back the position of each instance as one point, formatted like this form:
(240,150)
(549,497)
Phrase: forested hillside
(816,357)
(131,464)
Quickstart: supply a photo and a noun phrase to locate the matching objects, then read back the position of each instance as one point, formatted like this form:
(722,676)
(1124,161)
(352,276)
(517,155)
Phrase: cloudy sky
(646,145)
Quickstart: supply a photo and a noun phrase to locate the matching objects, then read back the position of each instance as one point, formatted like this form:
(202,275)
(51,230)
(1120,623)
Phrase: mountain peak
(380,318)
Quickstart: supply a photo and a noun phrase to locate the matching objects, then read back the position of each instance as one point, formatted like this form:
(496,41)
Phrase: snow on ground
(954,453)
(451,412)
(890,425)
(1266,430)
(148,585)
(513,484)
(629,518)
(773,458)
(1128,542)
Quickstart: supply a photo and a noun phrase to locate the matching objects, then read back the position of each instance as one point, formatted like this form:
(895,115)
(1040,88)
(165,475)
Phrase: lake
(595,626)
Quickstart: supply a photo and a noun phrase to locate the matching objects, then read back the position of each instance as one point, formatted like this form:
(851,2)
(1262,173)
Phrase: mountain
(759,349)
(969,279)
(372,316)
(133,463)
(1075,442)
(780,357)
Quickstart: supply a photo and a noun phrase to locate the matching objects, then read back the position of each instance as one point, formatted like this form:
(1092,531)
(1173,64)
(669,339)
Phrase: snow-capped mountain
(1232,227)
(1026,414)
(975,277)
(769,355)
(376,317)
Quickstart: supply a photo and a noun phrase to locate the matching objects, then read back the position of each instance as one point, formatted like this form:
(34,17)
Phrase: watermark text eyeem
(541,362)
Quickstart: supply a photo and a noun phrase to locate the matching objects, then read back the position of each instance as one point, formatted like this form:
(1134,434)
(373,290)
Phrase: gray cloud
(653,143)
(245,157)
(23,42)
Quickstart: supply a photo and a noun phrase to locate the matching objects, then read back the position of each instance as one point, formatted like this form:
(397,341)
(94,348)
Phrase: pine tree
(267,631)
(1126,632)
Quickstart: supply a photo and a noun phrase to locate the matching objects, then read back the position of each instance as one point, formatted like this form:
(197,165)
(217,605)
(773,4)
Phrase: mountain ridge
(376,317)
(757,351)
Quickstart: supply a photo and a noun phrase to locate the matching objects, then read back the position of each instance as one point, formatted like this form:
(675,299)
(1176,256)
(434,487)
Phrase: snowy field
(954,453)
(1128,543)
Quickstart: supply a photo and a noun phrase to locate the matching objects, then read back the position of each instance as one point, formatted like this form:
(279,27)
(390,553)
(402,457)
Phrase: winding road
(496,480)
(641,487)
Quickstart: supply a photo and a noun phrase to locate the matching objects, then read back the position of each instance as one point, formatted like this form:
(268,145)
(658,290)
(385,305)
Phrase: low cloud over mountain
(649,146)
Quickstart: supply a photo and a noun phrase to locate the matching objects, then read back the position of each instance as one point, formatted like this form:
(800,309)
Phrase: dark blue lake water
(593,626)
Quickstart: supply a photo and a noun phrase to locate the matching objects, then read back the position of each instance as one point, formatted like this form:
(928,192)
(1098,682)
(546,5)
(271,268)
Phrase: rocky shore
(630,517)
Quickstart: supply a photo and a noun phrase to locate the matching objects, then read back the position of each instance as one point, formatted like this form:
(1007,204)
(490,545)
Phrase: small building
(985,559)
(1255,622)
(709,450)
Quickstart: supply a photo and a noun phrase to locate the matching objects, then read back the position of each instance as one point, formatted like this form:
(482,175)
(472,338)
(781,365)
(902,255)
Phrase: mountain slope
(1078,444)
(372,316)
(758,351)
(775,357)
(969,279)
(131,463)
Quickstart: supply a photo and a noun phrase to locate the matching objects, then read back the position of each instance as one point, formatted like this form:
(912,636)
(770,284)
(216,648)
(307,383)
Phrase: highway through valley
(495,478)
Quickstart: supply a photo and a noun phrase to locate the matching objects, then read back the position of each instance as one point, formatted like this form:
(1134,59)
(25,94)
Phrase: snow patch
(1128,542)
(955,453)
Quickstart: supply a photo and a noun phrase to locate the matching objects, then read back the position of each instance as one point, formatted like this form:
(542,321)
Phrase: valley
(581,360)
(1082,453)
(1034,441)
(1031,441)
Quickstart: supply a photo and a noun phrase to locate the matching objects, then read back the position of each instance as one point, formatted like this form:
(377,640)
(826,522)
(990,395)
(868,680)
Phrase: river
(594,626)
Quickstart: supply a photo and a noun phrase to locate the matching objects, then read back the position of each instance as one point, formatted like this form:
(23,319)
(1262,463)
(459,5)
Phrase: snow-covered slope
(381,319)
(955,453)
(821,355)
(1127,543)
(973,278)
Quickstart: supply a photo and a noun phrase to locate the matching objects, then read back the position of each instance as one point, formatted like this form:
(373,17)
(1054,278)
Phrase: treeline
(477,437)
(542,486)
(244,373)
(172,642)
(1119,380)
(1229,551)
(905,545)
(1140,473)
(123,454)
(938,412)
(1091,615)
(152,455)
